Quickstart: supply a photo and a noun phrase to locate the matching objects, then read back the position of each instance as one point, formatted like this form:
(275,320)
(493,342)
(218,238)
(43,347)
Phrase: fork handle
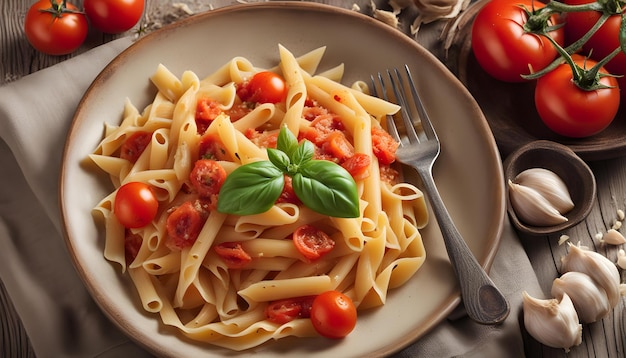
(483,301)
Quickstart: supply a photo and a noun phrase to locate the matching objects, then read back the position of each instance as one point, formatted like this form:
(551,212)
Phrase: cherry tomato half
(573,112)
(133,146)
(207,177)
(333,314)
(135,204)
(184,225)
(286,310)
(55,27)
(265,87)
(312,242)
(114,16)
(501,45)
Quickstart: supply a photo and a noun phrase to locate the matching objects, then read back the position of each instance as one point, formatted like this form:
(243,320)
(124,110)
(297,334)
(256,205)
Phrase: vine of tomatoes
(58,27)
(572,49)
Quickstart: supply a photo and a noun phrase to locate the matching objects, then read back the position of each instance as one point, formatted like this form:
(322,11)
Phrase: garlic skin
(602,270)
(552,322)
(589,299)
(549,185)
(532,208)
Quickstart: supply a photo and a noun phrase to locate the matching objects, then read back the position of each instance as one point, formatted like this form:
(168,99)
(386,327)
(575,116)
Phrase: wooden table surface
(606,338)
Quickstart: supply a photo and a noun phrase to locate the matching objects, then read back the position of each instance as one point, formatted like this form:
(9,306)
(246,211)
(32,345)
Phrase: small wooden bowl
(560,159)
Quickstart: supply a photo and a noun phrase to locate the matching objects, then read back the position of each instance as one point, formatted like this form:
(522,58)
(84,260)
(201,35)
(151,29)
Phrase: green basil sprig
(321,185)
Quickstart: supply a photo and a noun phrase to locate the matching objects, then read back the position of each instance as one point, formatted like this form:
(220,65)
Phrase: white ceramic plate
(468,171)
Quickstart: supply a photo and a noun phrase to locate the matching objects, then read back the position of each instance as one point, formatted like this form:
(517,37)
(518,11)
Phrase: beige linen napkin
(59,316)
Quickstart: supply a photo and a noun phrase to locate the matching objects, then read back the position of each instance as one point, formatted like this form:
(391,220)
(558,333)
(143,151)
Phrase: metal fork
(483,301)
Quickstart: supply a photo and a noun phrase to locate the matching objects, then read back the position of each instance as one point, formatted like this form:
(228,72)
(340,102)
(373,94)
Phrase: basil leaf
(327,188)
(279,159)
(286,142)
(251,189)
(303,153)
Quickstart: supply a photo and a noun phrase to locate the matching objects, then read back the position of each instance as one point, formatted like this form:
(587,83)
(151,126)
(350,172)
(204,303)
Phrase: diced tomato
(233,254)
(207,177)
(288,195)
(183,226)
(132,244)
(206,111)
(358,166)
(283,311)
(312,242)
(134,145)
(384,146)
(211,147)
(265,139)
(237,111)
(338,146)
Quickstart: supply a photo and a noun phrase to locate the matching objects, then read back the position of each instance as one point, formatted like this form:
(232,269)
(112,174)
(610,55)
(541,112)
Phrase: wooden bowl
(561,160)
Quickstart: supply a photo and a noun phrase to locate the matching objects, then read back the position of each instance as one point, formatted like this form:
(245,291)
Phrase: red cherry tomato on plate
(55,27)
(135,205)
(114,16)
(571,111)
(333,314)
(207,177)
(312,242)
(265,87)
(184,225)
(501,45)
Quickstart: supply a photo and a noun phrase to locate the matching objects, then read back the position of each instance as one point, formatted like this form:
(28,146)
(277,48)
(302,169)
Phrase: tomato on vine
(508,42)
(55,27)
(579,107)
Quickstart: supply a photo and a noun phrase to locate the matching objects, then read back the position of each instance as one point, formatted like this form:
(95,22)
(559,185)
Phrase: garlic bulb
(549,185)
(589,299)
(532,208)
(552,322)
(598,267)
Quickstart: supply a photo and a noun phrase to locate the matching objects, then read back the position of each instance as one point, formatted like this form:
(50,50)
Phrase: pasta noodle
(194,287)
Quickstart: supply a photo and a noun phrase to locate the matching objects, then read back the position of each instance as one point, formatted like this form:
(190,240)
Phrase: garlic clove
(597,266)
(621,259)
(549,185)
(613,237)
(552,322)
(532,208)
(589,299)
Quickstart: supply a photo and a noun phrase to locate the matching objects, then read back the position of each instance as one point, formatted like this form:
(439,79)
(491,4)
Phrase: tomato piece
(501,45)
(183,226)
(571,111)
(283,311)
(384,146)
(337,145)
(233,254)
(603,41)
(134,145)
(55,27)
(358,166)
(135,204)
(132,244)
(114,16)
(312,242)
(207,177)
(206,111)
(264,87)
(333,314)
(211,147)
(288,195)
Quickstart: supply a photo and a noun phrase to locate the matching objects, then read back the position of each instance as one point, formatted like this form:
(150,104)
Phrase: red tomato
(358,166)
(571,111)
(283,311)
(384,146)
(211,147)
(184,225)
(55,27)
(288,195)
(233,255)
(265,87)
(134,145)
(135,204)
(312,242)
(207,177)
(603,41)
(206,111)
(113,16)
(132,244)
(501,45)
(333,314)
(337,145)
